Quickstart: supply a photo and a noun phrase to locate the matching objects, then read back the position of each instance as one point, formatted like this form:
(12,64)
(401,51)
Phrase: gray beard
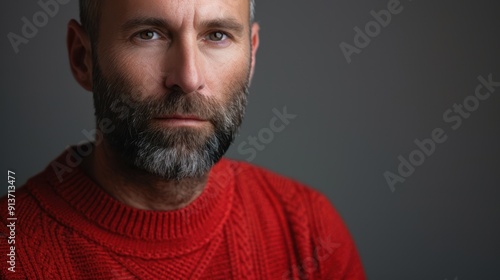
(171,153)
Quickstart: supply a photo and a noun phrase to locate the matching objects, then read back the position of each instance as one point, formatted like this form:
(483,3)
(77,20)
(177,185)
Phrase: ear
(255,45)
(80,54)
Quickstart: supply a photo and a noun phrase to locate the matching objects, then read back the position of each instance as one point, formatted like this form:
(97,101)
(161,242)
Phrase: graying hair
(252,11)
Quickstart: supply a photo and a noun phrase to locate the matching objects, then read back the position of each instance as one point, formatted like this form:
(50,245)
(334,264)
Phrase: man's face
(172,76)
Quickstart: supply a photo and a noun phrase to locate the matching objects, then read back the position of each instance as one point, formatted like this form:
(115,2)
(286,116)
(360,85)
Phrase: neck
(137,188)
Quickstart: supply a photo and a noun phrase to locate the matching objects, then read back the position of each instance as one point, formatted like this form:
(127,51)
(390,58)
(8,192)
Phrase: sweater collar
(97,215)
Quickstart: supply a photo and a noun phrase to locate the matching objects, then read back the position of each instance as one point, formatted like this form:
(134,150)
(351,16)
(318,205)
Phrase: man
(152,197)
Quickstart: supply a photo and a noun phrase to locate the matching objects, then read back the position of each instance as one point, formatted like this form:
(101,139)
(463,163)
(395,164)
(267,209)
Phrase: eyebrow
(219,23)
(144,21)
(224,23)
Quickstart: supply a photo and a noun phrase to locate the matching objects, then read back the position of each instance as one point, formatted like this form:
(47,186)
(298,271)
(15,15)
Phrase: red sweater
(247,224)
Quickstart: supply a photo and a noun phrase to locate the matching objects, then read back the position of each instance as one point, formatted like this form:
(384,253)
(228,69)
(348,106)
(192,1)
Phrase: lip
(181,117)
(181,120)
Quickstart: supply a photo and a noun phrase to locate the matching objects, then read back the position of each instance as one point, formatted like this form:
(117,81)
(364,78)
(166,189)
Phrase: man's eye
(148,35)
(217,36)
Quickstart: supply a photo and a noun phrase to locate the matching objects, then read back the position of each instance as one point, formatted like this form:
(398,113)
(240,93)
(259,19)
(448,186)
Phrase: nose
(185,67)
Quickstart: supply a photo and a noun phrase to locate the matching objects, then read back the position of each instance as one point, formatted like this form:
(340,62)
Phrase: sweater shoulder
(24,233)
(27,208)
(316,229)
(20,203)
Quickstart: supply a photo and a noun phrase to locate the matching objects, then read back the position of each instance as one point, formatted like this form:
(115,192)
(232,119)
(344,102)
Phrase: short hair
(252,11)
(90,15)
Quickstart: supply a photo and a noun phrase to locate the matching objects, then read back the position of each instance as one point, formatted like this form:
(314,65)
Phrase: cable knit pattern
(247,224)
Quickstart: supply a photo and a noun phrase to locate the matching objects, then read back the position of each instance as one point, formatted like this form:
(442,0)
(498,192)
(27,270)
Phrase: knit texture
(247,224)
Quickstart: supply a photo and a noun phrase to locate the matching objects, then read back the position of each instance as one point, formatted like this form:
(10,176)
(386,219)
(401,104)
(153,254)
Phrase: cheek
(150,79)
(137,67)
(226,74)
(141,71)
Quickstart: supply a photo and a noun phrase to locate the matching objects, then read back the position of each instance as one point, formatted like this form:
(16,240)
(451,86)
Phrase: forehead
(179,13)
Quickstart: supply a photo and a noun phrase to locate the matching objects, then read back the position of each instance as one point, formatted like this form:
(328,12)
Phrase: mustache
(176,102)
(188,104)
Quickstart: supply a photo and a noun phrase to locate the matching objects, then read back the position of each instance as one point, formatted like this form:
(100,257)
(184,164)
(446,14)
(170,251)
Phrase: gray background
(353,121)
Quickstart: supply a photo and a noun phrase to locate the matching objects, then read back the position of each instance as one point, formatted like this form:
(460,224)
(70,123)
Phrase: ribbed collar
(79,203)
